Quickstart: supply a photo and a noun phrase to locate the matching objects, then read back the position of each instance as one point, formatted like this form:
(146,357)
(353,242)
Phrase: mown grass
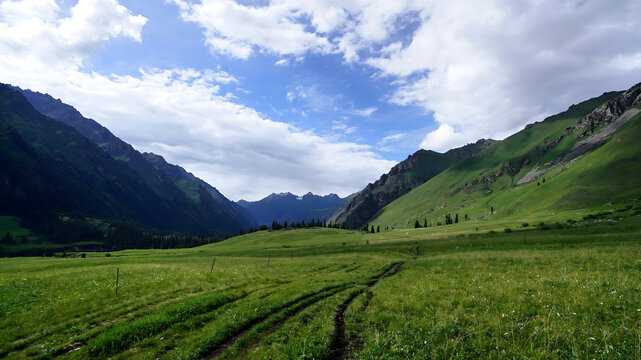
(461,293)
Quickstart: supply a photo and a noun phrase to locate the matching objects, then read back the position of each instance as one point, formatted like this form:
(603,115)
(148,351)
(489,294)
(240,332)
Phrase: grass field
(443,292)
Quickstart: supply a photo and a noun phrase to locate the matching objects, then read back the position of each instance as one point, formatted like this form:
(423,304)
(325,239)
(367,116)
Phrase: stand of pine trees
(293,225)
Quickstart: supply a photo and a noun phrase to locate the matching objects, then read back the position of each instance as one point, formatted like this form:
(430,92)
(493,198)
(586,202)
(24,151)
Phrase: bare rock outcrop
(607,112)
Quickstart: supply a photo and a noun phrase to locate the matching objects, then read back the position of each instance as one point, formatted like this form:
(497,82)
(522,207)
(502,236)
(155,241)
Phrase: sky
(263,96)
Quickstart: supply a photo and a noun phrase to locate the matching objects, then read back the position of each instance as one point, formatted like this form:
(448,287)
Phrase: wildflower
(425,342)
(626,329)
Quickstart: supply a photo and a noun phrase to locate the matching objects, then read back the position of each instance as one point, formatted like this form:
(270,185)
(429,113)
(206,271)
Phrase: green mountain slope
(49,168)
(172,183)
(536,172)
(403,177)
(63,167)
(211,202)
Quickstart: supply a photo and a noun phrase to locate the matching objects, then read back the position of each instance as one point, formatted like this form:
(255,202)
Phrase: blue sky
(339,97)
(325,96)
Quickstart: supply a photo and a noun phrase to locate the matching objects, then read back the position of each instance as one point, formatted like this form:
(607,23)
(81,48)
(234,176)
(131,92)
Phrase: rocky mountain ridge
(403,177)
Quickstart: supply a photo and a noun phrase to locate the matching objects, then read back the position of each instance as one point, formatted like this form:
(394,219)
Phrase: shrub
(525,225)
(107,255)
(507,230)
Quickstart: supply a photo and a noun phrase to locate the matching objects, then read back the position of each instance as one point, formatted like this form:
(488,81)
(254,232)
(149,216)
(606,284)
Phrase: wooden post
(212,265)
(117,278)
(292,257)
(268,260)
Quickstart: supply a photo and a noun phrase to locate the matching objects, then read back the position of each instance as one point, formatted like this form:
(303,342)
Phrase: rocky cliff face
(607,112)
(403,177)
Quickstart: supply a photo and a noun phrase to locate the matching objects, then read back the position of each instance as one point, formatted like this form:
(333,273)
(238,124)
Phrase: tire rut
(290,312)
(231,340)
(339,348)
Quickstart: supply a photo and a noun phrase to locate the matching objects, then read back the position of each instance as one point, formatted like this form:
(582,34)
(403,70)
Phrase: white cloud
(235,29)
(392,138)
(386,143)
(31,29)
(292,27)
(13,12)
(442,138)
(178,113)
(282,62)
(487,68)
(482,68)
(367,112)
(342,127)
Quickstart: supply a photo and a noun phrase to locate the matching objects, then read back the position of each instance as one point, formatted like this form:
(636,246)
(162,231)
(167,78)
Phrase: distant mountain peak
(291,207)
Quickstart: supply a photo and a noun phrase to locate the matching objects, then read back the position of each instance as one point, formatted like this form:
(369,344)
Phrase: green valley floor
(542,291)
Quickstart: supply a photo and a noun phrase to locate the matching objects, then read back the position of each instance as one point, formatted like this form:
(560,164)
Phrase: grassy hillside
(489,180)
(328,293)
(403,177)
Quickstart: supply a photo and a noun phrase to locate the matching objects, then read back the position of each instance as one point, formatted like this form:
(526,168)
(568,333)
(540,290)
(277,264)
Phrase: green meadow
(542,291)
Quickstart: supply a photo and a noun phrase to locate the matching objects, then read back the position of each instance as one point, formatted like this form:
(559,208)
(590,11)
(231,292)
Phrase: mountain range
(293,208)
(55,162)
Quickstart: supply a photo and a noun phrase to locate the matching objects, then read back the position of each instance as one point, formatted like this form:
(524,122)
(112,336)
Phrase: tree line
(286,225)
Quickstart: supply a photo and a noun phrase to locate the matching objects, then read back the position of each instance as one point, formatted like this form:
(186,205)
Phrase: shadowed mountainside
(292,208)
(75,165)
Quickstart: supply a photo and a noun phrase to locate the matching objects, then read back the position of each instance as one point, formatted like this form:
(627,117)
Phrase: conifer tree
(7,239)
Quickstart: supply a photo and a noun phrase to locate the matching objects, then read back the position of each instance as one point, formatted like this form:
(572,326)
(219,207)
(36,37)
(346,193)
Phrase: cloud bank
(482,68)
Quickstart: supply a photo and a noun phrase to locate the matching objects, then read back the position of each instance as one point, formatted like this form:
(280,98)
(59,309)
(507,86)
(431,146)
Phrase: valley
(537,292)
(527,247)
